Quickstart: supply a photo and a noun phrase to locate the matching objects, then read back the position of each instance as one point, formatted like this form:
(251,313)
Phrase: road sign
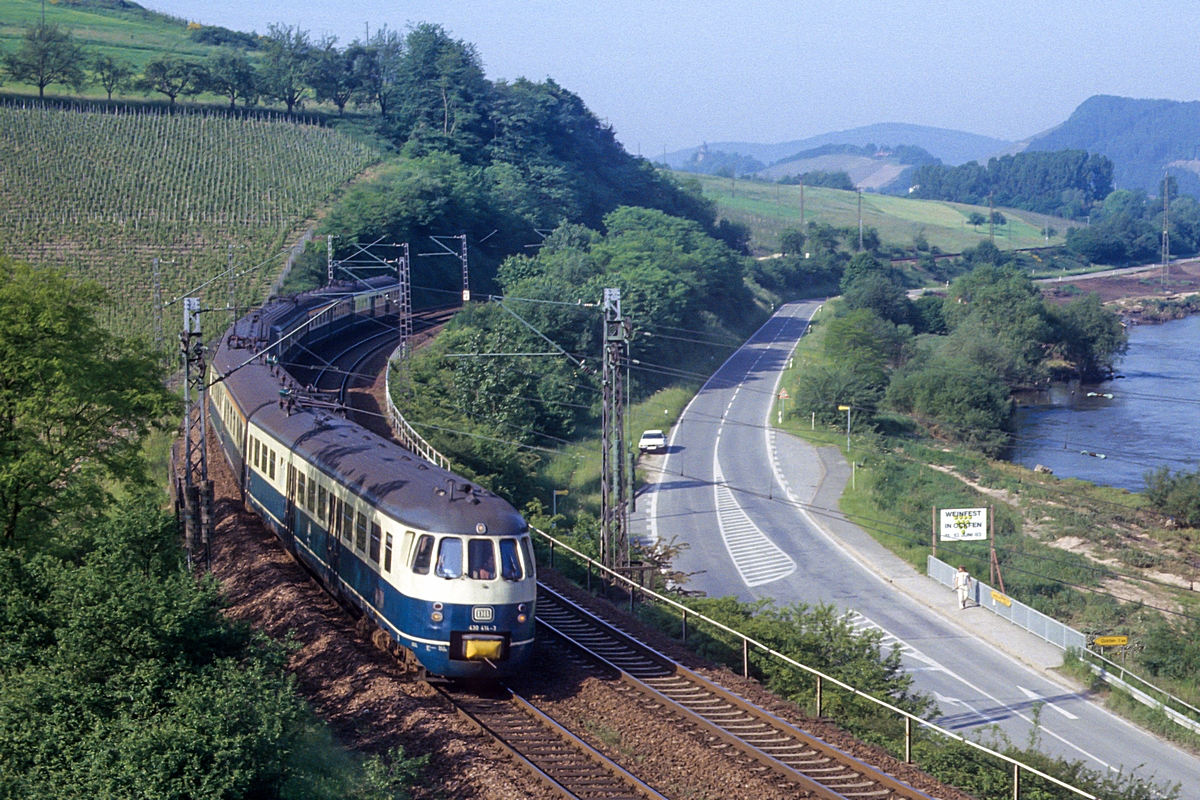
(843,408)
(1111,641)
(1001,599)
(783,394)
(963,524)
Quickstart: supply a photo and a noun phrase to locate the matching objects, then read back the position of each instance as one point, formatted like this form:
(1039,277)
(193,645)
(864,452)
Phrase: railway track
(730,721)
(561,760)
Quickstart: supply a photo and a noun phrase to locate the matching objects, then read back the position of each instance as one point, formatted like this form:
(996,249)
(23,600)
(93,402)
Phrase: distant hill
(952,147)
(1141,137)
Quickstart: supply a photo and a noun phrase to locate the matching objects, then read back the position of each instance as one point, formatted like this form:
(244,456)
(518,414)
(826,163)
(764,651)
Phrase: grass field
(103,194)
(768,208)
(130,34)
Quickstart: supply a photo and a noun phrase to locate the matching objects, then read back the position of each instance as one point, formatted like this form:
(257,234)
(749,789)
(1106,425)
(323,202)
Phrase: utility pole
(466,295)
(461,255)
(328,260)
(197,488)
(859,221)
(614,486)
(404,302)
(803,221)
(991,218)
(1166,239)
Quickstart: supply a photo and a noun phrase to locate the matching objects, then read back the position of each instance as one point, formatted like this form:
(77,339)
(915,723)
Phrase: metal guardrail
(1014,611)
(404,432)
(635,590)
(1067,638)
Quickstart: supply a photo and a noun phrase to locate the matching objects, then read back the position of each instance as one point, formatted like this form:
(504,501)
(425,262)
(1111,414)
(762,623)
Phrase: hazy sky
(675,74)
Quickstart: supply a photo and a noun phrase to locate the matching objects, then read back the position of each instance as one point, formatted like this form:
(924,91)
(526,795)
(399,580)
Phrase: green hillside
(120,29)
(1142,137)
(768,208)
(103,194)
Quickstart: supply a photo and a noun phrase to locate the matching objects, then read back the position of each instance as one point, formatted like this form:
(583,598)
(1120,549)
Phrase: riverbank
(1140,296)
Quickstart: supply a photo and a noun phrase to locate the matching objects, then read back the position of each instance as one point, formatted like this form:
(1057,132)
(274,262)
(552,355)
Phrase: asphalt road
(729,489)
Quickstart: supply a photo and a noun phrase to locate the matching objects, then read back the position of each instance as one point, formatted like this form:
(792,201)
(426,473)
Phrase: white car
(653,442)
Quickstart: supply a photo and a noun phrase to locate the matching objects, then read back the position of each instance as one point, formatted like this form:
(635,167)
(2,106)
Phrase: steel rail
(558,758)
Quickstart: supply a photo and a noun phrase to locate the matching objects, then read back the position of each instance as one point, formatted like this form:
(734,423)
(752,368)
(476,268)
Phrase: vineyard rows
(104,193)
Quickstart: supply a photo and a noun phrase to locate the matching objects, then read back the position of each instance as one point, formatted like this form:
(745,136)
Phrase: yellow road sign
(1001,599)
(1111,641)
(843,408)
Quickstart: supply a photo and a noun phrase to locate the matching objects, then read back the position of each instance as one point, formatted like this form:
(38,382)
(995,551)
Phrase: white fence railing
(404,432)
(1067,638)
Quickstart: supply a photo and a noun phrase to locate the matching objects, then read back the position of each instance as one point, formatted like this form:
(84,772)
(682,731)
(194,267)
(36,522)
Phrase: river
(1151,420)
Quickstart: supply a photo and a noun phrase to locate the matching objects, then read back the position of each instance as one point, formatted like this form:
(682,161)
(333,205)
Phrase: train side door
(289,511)
(333,547)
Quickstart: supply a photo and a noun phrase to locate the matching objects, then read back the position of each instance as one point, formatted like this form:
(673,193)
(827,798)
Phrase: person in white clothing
(962,585)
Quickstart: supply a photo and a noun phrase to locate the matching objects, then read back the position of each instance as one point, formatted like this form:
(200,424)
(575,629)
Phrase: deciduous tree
(74,399)
(46,55)
(231,74)
(172,76)
(332,74)
(111,73)
(287,63)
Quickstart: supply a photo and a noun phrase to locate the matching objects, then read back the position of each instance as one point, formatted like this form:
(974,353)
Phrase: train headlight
(521,618)
(436,616)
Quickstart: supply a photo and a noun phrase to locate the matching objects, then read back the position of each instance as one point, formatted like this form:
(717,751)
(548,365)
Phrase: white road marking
(757,559)
(1032,695)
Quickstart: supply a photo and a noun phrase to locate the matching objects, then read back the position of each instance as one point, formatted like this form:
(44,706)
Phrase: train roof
(399,483)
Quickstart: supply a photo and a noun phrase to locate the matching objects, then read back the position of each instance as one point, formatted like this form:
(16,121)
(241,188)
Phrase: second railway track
(561,760)
(731,721)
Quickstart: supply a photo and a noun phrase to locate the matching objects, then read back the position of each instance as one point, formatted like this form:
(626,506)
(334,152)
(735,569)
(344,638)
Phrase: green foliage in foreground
(121,678)
(75,401)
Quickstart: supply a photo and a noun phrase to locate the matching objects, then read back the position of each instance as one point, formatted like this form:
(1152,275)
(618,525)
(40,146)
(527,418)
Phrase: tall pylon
(197,489)
(1166,238)
(404,301)
(614,483)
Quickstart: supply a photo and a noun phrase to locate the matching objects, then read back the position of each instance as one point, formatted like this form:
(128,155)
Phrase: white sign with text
(963,524)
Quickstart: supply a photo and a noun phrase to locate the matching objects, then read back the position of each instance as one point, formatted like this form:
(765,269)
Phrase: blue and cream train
(444,568)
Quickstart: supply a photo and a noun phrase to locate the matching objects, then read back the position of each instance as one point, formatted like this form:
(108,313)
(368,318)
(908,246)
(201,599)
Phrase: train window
(481,559)
(312,494)
(300,486)
(510,563)
(271,465)
(387,554)
(527,552)
(406,545)
(254,450)
(322,499)
(360,533)
(376,533)
(449,560)
(424,555)
(347,521)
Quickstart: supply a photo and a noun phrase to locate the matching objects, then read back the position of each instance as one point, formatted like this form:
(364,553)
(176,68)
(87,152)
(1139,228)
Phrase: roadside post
(847,410)
(783,398)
